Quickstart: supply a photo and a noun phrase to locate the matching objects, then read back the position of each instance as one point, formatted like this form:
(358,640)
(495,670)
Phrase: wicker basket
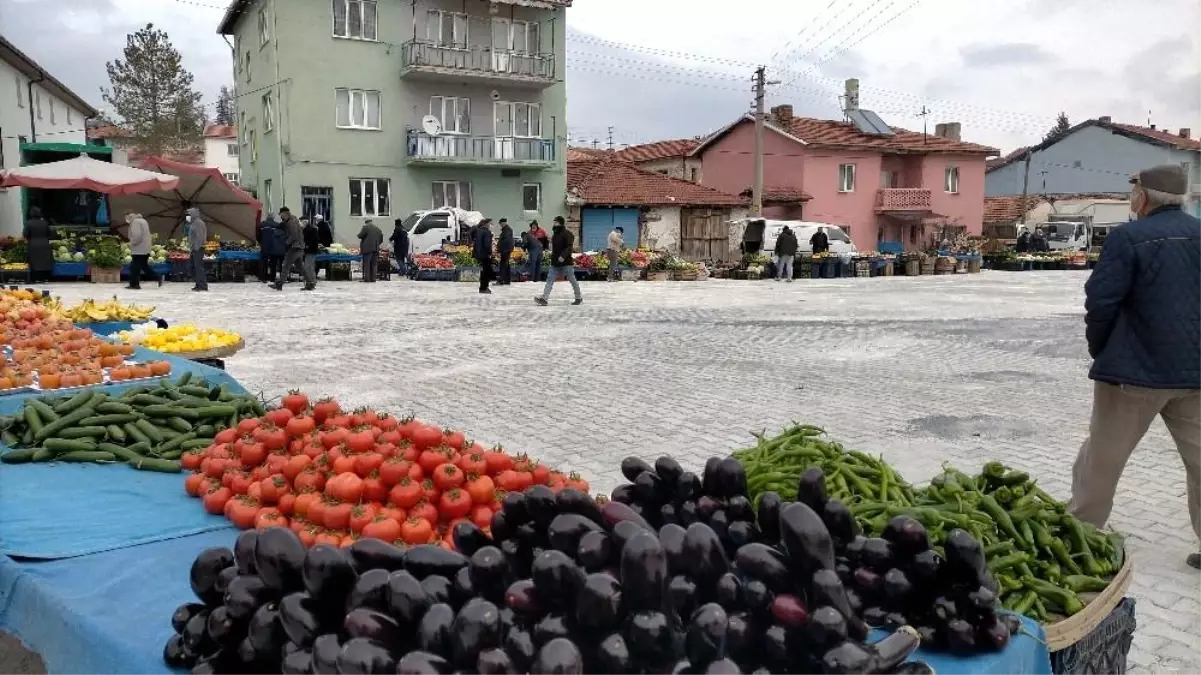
(927,267)
(105,275)
(973,266)
(656,276)
(684,275)
(944,266)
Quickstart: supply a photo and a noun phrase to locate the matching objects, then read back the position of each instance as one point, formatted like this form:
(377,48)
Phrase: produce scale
(181,523)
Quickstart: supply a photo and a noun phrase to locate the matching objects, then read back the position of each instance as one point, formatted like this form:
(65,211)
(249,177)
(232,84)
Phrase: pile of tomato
(334,476)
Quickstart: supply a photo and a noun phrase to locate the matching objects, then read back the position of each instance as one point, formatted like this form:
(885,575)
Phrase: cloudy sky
(654,69)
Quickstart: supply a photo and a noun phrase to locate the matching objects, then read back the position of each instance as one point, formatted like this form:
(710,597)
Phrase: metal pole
(1025,187)
(757,186)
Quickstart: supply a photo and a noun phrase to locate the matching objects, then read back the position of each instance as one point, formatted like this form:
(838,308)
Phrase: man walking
(370,238)
(504,249)
(561,262)
(400,245)
(481,250)
(613,252)
(820,241)
(260,236)
(274,248)
(312,246)
(1143,326)
(786,246)
(533,250)
(139,247)
(293,244)
(197,234)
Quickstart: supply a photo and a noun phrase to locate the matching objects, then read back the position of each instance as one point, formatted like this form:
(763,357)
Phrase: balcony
(902,200)
(464,150)
(422,59)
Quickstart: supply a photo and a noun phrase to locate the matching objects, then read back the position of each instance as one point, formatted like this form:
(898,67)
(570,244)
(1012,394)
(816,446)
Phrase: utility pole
(757,187)
(1025,187)
(925,111)
(610,139)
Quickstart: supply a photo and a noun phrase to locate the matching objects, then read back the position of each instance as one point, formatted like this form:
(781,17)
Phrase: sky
(658,69)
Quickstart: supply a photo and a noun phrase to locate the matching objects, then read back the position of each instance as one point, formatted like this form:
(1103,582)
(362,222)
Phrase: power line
(812,48)
(789,50)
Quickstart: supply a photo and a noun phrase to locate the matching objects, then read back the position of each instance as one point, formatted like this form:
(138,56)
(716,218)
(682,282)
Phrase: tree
(1062,126)
(152,93)
(224,113)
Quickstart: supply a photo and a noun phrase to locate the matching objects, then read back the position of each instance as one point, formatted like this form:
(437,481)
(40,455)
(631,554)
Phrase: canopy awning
(85,173)
(227,209)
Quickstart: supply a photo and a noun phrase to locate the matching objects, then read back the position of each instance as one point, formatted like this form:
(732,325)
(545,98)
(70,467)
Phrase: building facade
(363,109)
(670,158)
(36,110)
(221,151)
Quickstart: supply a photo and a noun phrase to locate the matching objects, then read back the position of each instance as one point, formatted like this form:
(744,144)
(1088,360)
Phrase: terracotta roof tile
(193,156)
(1157,136)
(580,154)
(844,134)
(781,194)
(658,150)
(108,131)
(1009,208)
(1161,135)
(998,162)
(221,131)
(609,180)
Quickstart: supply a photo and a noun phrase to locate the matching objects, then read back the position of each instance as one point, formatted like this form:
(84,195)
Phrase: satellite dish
(495,95)
(431,125)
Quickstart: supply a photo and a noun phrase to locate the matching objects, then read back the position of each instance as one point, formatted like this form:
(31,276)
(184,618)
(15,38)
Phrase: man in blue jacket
(1143,325)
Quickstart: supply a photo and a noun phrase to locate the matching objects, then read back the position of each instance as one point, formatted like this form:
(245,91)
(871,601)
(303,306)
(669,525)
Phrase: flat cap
(1169,178)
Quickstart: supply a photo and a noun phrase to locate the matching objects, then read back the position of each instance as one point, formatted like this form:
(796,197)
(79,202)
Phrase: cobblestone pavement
(926,370)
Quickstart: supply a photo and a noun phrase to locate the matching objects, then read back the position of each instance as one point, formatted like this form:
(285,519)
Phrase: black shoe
(160,282)
(1194,560)
(577,301)
(277,287)
(486,291)
(538,299)
(309,288)
(134,288)
(197,288)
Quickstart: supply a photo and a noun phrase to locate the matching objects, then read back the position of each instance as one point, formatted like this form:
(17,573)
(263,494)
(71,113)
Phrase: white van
(839,241)
(429,230)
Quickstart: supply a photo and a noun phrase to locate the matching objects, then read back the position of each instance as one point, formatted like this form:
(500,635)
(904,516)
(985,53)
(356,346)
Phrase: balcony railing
(903,199)
(463,149)
(421,56)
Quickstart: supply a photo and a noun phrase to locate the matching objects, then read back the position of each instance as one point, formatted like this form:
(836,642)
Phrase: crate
(973,266)
(383,269)
(470,274)
(631,274)
(212,270)
(338,271)
(231,271)
(1104,649)
(105,275)
(863,268)
(418,274)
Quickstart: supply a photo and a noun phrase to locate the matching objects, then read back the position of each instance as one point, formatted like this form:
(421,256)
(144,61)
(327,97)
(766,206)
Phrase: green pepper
(1026,603)
(1060,597)
(1001,518)
(993,470)
(1027,533)
(999,549)
(1003,495)
(1080,583)
(1080,544)
(1015,478)
(1060,551)
(1008,561)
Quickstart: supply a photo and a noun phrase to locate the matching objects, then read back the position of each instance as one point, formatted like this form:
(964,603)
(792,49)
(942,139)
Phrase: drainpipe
(33,128)
(279,106)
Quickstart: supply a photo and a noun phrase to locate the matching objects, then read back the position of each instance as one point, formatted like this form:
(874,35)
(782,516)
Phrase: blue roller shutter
(598,223)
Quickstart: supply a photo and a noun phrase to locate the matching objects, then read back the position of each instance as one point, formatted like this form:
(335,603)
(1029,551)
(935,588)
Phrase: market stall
(230,213)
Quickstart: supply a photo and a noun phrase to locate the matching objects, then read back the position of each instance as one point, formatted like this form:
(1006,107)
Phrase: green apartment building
(377,108)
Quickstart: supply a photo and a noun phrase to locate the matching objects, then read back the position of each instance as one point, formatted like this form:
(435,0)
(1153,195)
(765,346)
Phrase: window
(354,19)
(454,113)
(20,90)
(268,202)
(52,120)
(693,176)
(252,139)
(358,109)
(446,29)
(531,197)
(268,114)
(231,177)
(231,149)
(370,197)
(242,128)
(520,120)
(889,179)
(248,66)
(69,120)
(449,193)
(951,179)
(264,33)
(37,102)
(846,177)
(524,37)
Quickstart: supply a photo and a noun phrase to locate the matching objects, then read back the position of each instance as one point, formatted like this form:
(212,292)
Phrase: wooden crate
(105,275)
(1075,628)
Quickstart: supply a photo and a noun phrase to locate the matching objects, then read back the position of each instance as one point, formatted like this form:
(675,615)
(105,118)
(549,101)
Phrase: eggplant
(806,540)
(706,506)
(688,487)
(571,500)
(226,576)
(811,489)
(769,516)
(426,560)
(528,535)
(434,629)
(489,573)
(841,523)
(566,530)
(682,593)
(724,666)
(476,627)
(894,649)
(558,657)
(437,588)
(594,551)
(704,555)
(894,620)
(848,657)
(299,618)
(789,610)
(729,478)
(325,653)
(183,613)
(913,668)
(709,475)
(854,601)
(668,514)
(982,601)
(993,635)
(705,639)
(522,598)
(878,554)
(494,662)
(373,554)
(924,568)
(461,587)
(298,662)
(598,605)
(329,574)
(195,633)
(739,507)
(508,619)
(612,655)
(686,514)
(370,590)
(362,656)
(668,469)
(616,512)
(644,573)
(827,589)
(897,586)
(930,636)
(719,522)
(279,558)
(623,494)
(423,663)
(775,650)
(757,596)
(224,630)
(557,578)
(868,582)
(244,596)
(827,627)
(964,556)
(469,538)
(373,625)
(651,638)
(648,488)
(632,467)
(244,551)
(874,616)
(741,533)
(764,563)
(406,599)
(550,627)
(503,526)
(514,509)
(854,549)
(944,609)
(907,536)
(204,573)
(728,591)
(844,571)
(264,633)
(176,655)
(519,645)
(540,502)
(740,637)
(961,637)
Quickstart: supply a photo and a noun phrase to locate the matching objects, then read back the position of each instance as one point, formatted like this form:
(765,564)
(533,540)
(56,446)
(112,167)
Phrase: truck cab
(1068,235)
(429,230)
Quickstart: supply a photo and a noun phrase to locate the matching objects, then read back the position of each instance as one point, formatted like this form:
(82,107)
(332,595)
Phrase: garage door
(598,223)
(704,234)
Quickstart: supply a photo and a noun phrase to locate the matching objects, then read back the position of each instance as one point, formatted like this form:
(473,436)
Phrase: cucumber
(206,431)
(33,419)
(184,379)
(198,392)
(172,394)
(114,408)
(135,434)
(43,455)
(171,411)
(152,433)
(87,456)
(140,448)
(27,437)
(218,411)
(116,434)
(61,445)
(147,399)
(73,403)
(167,432)
(105,420)
(17,456)
(66,421)
(83,432)
(11,440)
(133,391)
(197,444)
(45,412)
(179,424)
(154,464)
(122,453)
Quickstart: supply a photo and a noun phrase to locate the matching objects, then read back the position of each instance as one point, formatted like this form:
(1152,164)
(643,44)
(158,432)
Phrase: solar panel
(869,122)
(881,128)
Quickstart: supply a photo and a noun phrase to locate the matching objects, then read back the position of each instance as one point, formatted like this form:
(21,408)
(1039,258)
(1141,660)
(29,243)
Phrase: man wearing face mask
(1143,326)
(197,234)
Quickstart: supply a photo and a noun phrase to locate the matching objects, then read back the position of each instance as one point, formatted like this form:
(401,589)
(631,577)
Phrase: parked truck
(429,230)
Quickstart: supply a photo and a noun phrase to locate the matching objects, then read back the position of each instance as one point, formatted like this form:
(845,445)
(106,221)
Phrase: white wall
(663,234)
(1102,210)
(216,154)
(676,167)
(58,124)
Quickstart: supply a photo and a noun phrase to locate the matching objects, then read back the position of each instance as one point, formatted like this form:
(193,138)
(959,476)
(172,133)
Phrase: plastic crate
(338,271)
(1102,651)
(231,271)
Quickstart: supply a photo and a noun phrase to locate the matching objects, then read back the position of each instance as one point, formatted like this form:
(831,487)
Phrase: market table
(77,270)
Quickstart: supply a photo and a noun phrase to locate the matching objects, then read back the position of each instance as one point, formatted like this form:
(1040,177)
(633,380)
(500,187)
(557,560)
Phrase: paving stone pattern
(959,369)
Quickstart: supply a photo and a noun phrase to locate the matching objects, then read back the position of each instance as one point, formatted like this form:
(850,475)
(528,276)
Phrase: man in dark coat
(37,239)
(325,233)
(481,250)
(820,241)
(504,248)
(370,239)
(274,247)
(533,251)
(1143,326)
(1038,242)
(400,245)
(295,239)
(786,246)
(1023,242)
(562,263)
(259,236)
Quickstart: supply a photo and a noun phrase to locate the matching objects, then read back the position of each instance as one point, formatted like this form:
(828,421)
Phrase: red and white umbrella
(85,173)
(229,211)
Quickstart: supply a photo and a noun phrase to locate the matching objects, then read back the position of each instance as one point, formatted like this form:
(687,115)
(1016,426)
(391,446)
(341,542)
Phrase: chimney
(1105,119)
(940,130)
(851,94)
(947,130)
(1186,132)
(1152,127)
(782,115)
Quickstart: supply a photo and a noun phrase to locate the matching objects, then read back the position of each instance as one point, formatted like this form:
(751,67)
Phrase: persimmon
(50,380)
(6,383)
(112,361)
(72,380)
(159,367)
(139,370)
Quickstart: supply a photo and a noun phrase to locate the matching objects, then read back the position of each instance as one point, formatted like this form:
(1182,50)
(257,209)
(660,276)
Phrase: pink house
(904,188)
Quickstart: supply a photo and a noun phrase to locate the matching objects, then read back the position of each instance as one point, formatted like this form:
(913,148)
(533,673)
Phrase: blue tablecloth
(72,269)
(237,255)
(338,257)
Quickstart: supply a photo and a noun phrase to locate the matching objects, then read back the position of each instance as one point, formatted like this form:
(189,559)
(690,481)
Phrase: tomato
(278,417)
(509,481)
(214,500)
(276,463)
(327,537)
(405,493)
(287,504)
(314,450)
(575,481)
(448,476)
(239,482)
(343,464)
(498,500)
(387,423)
(425,436)
(382,527)
(394,512)
(498,461)
(338,421)
(190,460)
(365,463)
(325,408)
(524,480)
(333,437)
(192,484)
(296,464)
(269,517)
(248,425)
(481,489)
(390,436)
(242,512)
(225,436)
(261,473)
(428,491)
(481,516)
(316,510)
(386,450)
(251,454)
(416,531)
(300,426)
(337,516)
(212,467)
(392,470)
(454,503)
(273,488)
(360,441)
(346,487)
(348,540)
(273,438)
(300,507)
(429,460)
(308,536)
(297,525)
(360,516)
(454,439)
(541,474)
(295,401)
(409,451)
(373,489)
(255,491)
(424,510)
(407,426)
(473,464)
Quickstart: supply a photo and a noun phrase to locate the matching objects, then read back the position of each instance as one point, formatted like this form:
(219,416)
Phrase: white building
(36,112)
(221,150)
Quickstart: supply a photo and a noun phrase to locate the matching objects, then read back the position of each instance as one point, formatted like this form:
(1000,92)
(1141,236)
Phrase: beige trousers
(1121,416)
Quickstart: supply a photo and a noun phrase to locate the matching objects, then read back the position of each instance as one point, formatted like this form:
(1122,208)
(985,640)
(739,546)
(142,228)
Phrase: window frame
(846,177)
(242,128)
(252,138)
(457,117)
(53,116)
(37,102)
(459,186)
(443,14)
(350,109)
(513,107)
(268,201)
(264,28)
(268,114)
(375,183)
(231,150)
(950,179)
(694,174)
(20,90)
(345,4)
(248,68)
(235,177)
(538,206)
(69,120)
